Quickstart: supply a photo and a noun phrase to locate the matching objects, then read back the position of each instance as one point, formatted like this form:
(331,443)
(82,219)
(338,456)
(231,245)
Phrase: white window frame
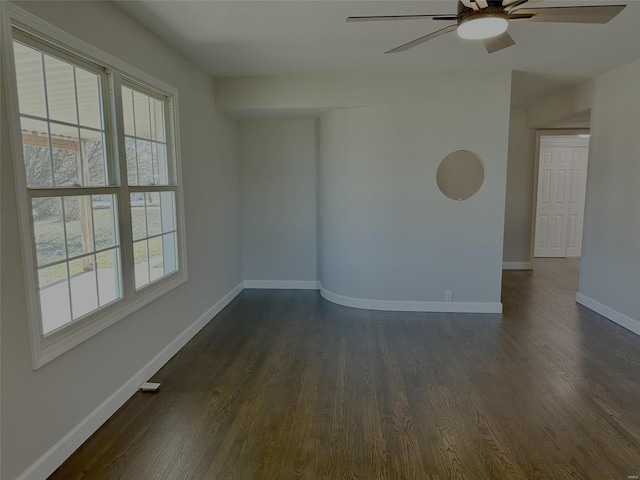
(45,348)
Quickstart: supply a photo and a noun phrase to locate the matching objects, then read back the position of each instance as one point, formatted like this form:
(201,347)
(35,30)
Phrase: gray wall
(610,267)
(386,231)
(520,180)
(278,199)
(39,408)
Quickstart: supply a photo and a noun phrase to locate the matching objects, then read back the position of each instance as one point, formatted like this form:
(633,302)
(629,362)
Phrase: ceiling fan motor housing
(480,25)
(490,11)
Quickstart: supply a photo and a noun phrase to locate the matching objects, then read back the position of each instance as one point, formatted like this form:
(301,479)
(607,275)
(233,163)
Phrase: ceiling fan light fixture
(481,27)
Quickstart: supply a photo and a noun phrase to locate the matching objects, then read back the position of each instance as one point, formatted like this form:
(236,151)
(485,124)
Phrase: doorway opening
(559,200)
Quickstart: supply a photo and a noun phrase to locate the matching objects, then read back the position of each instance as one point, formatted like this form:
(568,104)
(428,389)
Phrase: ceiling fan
(488,20)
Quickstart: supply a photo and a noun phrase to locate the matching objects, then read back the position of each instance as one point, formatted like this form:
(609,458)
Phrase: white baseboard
(615,316)
(283,284)
(412,306)
(517,265)
(56,455)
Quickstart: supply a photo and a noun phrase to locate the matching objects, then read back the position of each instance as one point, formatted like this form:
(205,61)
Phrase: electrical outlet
(448,296)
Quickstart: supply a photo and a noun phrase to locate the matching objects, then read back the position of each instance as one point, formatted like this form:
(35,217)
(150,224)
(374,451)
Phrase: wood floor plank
(284,385)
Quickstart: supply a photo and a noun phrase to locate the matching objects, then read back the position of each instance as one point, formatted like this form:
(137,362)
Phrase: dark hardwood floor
(284,385)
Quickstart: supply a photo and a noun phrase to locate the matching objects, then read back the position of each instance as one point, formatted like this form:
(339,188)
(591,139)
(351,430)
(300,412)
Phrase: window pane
(157,120)
(89,102)
(141,263)
(54,297)
(48,229)
(65,167)
(61,92)
(79,225)
(138,216)
(155,149)
(153,216)
(93,158)
(30,80)
(160,164)
(87,220)
(65,148)
(147,162)
(37,155)
(144,156)
(156,265)
(80,213)
(170,252)
(84,288)
(57,154)
(152,202)
(108,276)
(132,164)
(152,213)
(167,211)
(141,113)
(104,221)
(91,281)
(127,110)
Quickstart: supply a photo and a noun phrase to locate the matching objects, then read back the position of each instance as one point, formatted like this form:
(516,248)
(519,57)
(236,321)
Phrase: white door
(577,190)
(562,181)
(553,201)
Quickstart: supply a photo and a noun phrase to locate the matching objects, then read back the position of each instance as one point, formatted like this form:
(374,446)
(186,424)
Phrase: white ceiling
(302,37)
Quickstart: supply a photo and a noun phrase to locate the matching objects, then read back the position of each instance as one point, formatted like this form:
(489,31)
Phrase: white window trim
(45,349)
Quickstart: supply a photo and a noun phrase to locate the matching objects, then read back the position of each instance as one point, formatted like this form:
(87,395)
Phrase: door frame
(548,132)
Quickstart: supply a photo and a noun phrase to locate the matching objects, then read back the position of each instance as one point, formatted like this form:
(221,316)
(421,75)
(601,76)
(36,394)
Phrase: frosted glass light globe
(482,27)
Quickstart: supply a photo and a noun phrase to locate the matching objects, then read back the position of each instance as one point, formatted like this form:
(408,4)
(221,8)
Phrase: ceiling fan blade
(500,42)
(379,18)
(482,3)
(420,40)
(513,4)
(518,17)
(584,14)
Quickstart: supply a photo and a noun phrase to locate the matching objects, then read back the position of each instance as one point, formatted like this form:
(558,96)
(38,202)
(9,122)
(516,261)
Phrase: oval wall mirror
(460,175)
